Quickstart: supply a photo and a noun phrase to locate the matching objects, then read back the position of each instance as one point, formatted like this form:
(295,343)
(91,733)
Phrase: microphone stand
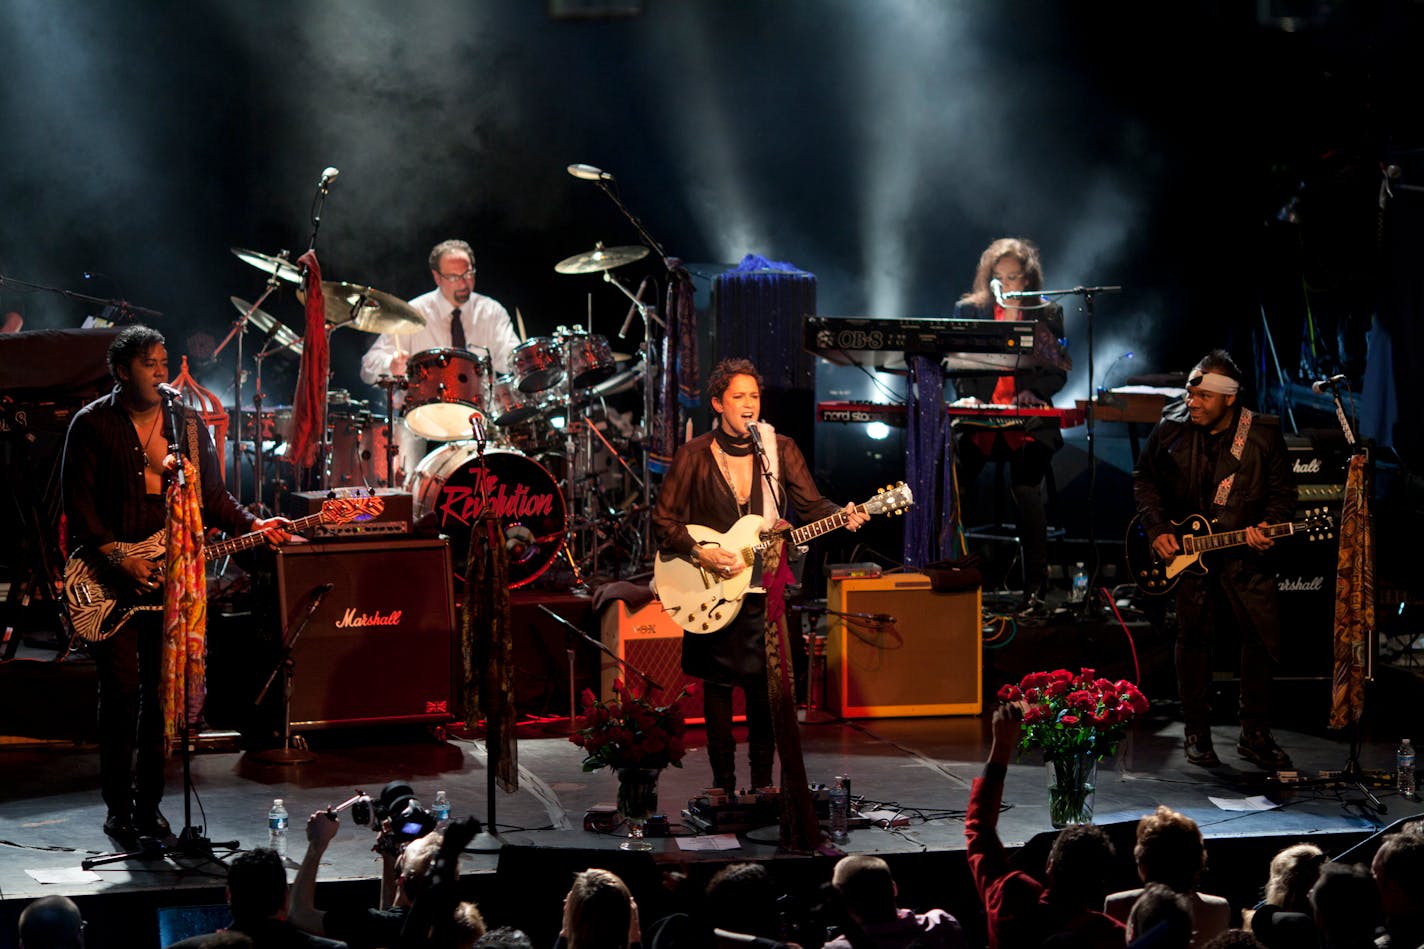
(288,753)
(1086,609)
(239,328)
(603,648)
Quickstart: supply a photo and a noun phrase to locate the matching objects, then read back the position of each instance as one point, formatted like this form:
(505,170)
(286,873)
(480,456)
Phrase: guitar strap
(1238,448)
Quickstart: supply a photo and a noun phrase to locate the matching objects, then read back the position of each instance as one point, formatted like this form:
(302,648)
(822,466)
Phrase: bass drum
(446,489)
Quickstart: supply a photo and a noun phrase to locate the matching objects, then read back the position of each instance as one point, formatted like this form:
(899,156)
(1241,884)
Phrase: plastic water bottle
(1404,762)
(277,828)
(840,808)
(441,809)
(1079,593)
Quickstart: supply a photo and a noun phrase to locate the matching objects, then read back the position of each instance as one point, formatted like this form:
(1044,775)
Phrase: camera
(396,810)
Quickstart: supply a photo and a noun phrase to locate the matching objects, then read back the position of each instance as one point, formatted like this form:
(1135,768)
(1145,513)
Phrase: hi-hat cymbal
(601,258)
(285,270)
(264,321)
(368,309)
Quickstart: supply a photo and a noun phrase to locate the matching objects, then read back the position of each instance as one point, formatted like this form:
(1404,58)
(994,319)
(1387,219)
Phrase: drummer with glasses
(456,317)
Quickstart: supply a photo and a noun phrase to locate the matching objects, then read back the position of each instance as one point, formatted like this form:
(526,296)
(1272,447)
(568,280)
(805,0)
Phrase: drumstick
(519,318)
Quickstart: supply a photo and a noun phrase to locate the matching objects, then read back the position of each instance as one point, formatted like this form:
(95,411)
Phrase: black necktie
(457,330)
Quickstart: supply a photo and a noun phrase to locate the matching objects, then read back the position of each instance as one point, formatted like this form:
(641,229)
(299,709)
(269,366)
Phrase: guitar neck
(1202,543)
(236,544)
(799,535)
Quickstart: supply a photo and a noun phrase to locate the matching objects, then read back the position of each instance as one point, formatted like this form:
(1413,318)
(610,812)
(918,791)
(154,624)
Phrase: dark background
(879,146)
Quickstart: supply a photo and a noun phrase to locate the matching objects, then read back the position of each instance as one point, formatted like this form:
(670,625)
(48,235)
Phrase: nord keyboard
(894,413)
(965,345)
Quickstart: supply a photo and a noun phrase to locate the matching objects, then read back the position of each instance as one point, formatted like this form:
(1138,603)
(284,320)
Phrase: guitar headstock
(342,510)
(891,499)
(1319,524)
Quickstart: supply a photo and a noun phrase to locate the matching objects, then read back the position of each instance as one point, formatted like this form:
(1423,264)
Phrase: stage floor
(51,814)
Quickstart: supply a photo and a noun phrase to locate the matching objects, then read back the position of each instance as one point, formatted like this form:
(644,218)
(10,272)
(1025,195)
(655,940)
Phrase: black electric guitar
(701,601)
(100,598)
(1156,576)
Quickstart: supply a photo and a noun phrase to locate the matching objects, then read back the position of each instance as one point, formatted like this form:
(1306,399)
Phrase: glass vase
(637,801)
(1072,781)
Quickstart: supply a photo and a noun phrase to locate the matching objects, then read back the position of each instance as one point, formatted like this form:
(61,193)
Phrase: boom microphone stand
(1086,609)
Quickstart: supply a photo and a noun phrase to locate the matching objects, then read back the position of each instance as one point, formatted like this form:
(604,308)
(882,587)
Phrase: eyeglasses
(458,277)
(1009,277)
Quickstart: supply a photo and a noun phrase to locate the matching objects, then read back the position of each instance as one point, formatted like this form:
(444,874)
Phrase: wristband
(116,557)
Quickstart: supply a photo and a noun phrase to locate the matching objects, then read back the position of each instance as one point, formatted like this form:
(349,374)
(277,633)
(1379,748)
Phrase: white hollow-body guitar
(702,601)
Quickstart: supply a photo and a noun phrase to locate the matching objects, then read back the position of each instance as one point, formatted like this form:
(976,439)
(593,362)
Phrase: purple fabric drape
(929,466)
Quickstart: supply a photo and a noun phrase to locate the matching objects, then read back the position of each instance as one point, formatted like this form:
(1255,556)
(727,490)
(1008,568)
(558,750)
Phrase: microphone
(628,320)
(477,428)
(755,432)
(328,175)
(168,392)
(998,289)
(885,618)
(589,173)
(327,587)
(1319,385)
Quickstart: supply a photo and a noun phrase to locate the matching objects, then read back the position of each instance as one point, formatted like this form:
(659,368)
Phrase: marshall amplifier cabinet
(378,648)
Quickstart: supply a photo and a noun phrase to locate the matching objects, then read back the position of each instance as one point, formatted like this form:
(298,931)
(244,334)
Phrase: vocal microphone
(168,392)
(327,587)
(637,298)
(328,175)
(589,173)
(753,430)
(1319,385)
(998,289)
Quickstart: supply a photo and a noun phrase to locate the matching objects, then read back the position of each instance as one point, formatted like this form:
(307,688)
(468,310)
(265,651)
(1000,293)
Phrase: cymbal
(368,309)
(264,321)
(601,258)
(285,270)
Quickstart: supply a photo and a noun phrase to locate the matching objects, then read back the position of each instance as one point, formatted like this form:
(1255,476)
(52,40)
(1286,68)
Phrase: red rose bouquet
(1071,715)
(631,731)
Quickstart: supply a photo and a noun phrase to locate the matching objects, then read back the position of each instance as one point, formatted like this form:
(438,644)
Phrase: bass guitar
(1156,576)
(98,598)
(701,601)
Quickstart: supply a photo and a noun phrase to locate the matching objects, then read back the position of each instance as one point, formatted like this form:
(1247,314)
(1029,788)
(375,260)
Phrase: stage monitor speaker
(929,661)
(651,642)
(379,648)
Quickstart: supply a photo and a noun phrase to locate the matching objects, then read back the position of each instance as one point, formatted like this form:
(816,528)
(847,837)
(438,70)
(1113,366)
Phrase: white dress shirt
(487,326)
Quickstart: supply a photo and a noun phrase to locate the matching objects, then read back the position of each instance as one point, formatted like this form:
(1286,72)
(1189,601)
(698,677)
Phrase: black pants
(130,719)
(1028,467)
(722,745)
(1233,598)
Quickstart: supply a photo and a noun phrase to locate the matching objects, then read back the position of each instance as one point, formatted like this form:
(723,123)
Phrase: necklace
(148,440)
(742,501)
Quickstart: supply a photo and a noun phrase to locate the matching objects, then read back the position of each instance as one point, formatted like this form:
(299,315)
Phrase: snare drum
(525,498)
(444,387)
(589,357)
(538,364)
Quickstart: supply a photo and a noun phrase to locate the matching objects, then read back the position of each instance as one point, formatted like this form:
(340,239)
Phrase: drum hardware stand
(649,314)
(239,328)
(603,648)
(391,384)
(292,751)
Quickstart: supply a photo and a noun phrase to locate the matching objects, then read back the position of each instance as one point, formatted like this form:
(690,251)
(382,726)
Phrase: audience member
(403,875)
(741,898)
(1161,918)
(1284,918)
(505,937)
(599,912)
(1398,869)
(1236,939)
(1346,907)
(469,925)
(1023,913)
(51,922)
(1170,850)
(868,892)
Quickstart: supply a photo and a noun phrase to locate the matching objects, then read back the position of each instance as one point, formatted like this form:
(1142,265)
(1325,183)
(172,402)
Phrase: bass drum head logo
(451,484)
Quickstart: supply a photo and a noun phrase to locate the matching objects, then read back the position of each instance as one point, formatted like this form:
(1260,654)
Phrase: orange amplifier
(921,653)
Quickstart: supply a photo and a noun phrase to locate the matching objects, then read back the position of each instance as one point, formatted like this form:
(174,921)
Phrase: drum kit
(540,444)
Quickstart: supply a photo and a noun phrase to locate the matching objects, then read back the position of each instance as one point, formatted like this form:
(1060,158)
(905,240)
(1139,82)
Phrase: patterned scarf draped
(183,682)
(309,403)
(799,829)
(1354,598)
(486,673)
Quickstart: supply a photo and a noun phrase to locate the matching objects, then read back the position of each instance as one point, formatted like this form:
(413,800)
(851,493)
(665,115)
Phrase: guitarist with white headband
(118,456)
(716,479)
(1211,455)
